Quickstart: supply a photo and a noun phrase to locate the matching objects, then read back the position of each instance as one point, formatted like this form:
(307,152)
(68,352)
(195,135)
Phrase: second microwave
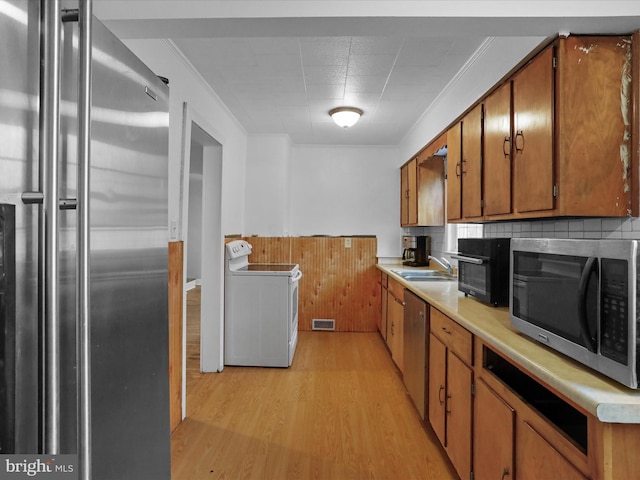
(580,298)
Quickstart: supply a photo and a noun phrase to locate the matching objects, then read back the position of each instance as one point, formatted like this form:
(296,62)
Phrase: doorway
(201,200)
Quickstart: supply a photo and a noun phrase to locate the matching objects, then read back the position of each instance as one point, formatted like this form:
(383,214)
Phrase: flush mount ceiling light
(345,117)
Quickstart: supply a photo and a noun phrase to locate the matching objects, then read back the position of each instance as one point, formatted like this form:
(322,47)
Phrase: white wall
(347,191)
(323,190)
(267,185)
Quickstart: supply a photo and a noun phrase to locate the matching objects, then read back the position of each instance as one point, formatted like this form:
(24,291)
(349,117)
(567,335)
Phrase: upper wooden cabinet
(422,187)
(472,163)
(556,138)
(464,167)
(497,151)
(408,193)
(450,381)
(533,177)
(594,126)
(454,172)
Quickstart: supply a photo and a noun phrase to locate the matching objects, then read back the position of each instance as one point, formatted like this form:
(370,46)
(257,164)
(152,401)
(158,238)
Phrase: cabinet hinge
(555,62)
(481,203)
(472,476)
(555,191)
(473,389)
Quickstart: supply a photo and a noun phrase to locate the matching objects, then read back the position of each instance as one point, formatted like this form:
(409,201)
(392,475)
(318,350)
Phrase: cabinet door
(431,192)
(472,163)
(454,160)
(593,125)
(384,314)
(404,195)
(412,199)
(408,193)
(537,459)
(533,100)
(493,435)
(437,386)
(497,152)
(458,413)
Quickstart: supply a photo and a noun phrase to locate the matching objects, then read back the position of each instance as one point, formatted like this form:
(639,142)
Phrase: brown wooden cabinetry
(395,321)
(454,172)
(450,383)
(472,163)
(384,297)
(537,459)
(464,167)
(494,433)
(422,187)
(557,138)
(497,151)
(408,193)
(533,95)
(522,429)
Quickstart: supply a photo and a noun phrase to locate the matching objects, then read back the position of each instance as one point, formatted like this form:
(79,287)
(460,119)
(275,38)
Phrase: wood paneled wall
(176,289)
(338,283)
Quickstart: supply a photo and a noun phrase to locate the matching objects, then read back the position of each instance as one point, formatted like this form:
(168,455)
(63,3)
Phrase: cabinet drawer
(396,289)
(456,338)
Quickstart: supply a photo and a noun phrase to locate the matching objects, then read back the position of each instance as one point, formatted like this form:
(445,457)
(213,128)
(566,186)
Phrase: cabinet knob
(440,391)
(505,473)
(458,169)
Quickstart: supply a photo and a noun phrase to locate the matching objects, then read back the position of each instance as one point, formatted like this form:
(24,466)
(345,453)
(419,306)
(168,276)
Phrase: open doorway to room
(202,230)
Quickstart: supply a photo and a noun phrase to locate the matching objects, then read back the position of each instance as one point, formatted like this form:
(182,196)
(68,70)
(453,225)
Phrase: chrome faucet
(444,263)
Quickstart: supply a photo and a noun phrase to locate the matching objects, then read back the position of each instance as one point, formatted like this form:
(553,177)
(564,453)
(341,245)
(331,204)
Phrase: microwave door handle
(590,266)
(463,258)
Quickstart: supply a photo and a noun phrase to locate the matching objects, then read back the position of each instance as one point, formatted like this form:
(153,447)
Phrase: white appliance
(261,310)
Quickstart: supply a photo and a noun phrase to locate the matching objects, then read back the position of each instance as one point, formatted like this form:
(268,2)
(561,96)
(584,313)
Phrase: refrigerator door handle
(48,222)
(83,308)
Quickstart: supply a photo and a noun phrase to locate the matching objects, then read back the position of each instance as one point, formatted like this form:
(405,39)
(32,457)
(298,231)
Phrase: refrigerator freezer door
(19,99)
(129,265)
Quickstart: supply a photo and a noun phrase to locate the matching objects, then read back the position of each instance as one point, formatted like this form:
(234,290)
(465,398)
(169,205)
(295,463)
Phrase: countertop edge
(603,398)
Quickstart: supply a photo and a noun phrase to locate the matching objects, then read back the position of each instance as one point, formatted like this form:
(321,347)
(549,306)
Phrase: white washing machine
(261,310)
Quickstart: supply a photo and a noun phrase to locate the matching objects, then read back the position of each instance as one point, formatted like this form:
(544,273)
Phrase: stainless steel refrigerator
(83,244)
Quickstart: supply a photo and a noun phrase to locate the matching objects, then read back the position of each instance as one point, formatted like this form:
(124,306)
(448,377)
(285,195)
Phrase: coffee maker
(416,250)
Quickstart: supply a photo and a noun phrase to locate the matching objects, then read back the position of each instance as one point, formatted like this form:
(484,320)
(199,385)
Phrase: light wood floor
(339,412)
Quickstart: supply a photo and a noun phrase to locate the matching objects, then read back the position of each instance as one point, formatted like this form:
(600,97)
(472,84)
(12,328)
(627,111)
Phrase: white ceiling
(280,66)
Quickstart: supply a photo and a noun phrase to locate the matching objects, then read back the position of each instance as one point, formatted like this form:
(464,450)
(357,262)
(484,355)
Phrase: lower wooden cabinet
(494,435)
(536,458)
(496,420)
(450,384)
(522,430)
(395,322)
(384,311)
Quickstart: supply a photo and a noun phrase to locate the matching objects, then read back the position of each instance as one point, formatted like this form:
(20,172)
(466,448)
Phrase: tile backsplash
(616,228)
(620,228)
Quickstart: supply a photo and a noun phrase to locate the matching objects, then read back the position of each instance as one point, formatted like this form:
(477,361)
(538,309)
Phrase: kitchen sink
(423,275)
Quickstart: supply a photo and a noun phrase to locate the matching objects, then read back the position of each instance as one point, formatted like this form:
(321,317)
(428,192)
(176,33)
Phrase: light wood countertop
(607,400)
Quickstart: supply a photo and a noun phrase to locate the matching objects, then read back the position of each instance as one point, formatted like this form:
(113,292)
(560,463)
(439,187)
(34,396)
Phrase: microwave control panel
(614,310)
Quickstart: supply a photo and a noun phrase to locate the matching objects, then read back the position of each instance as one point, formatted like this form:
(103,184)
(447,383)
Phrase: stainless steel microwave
(580,298)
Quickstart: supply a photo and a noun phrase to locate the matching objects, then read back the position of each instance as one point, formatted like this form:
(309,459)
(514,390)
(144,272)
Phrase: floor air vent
(323,324)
